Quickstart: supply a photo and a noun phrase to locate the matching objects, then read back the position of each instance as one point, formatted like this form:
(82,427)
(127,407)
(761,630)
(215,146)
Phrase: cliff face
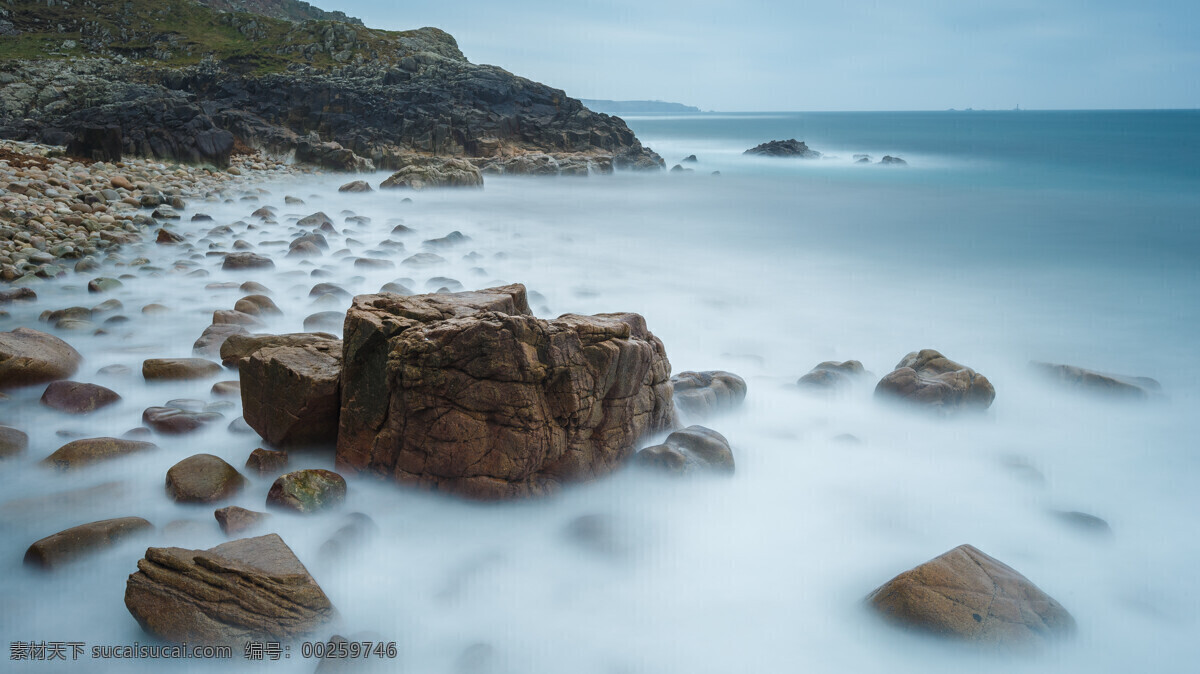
(288,10)
(180,80)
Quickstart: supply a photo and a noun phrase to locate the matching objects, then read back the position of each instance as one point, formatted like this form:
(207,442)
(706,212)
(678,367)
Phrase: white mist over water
(764,271)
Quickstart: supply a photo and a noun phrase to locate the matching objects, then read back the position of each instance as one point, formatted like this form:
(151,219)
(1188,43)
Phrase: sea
(1008,237)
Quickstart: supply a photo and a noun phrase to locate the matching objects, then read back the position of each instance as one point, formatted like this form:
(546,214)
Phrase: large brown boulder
(80,453)
(965,594)
(71,544)
(928,379)
(291,395)
(253,589)
(702,394)
(33,357)
(1102,383)
(470,393)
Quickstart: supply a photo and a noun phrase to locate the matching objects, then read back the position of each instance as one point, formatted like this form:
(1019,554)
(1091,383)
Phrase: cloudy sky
(828,55)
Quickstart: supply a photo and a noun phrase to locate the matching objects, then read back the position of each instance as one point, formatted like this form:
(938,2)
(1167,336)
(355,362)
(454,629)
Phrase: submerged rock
(307,491)
(928,379)
(253,589)
(12,442)
(784,148)
(693,449)
(234,520)
(76,397)
(80,453)
(235,261)
(892,161)
(830,375)
(702,394)
(71,544)
(470,393)
(967,595)
(356,186)
(1115,385)
(33,357)
(203,478)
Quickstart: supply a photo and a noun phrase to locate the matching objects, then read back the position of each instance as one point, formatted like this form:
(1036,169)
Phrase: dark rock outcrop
(928,379)
(702,394)
(967,595)
(692,449)
(253,589)
(784,148)
(470,393)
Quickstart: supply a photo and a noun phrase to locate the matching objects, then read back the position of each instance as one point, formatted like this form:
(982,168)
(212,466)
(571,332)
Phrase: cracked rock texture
(253,589)
(965,594)
(291,395)
(471,394)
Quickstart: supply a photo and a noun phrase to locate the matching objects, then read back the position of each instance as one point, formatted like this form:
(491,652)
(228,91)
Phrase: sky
(828,55)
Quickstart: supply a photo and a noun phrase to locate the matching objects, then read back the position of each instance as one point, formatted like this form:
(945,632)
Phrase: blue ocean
(1008,237)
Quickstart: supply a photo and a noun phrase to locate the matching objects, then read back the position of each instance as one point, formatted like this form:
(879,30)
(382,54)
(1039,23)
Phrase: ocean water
(1069,237)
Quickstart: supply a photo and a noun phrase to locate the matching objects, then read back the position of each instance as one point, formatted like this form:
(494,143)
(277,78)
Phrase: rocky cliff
(180,80)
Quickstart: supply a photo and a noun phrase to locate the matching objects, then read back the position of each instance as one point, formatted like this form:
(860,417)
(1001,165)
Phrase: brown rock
(210,341)
(71,544)
(33,357)
(291,395)
(167,237)
(257,305)
(702,394)
(307,491)
(237,349)
(967,595)
(235,261)
(85,452)
(692,449)
(76,397)
(425,172)
(176,421)
(154,369)
(12,442)
(470,393)
(266,462)
(227,388)
(203,478)
(231,317)
(830,375)
(1114,385)
(356,186)
(234,520)
(929,379)
(253,589)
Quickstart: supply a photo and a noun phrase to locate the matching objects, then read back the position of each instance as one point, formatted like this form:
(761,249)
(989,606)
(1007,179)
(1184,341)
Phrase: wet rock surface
(307,491)
(967,595)
(203,478)
(77,542)
(77,398)
(471,394)
(690,450)
(32,357)
(291,395)
(929,380)
(234,520)
(178,368)
(252,589)
(81,453)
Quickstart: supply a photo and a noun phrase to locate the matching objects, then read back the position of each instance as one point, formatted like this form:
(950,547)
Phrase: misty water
(1010,237)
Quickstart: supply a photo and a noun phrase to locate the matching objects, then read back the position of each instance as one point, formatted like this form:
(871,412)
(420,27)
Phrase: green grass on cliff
(179,33)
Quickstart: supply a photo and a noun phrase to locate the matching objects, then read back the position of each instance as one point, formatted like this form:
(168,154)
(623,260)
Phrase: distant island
(635,107)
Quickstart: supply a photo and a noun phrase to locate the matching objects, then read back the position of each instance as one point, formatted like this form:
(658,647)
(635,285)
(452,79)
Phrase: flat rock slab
(77,398)
(33,357)
(71,544)
(156,369)
(80,453)
(967,595)
(253,589)
(307,491)
(203,478)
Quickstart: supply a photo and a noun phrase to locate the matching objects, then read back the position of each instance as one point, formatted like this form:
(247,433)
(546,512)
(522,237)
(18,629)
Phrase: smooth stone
(33,357)
(86,539)
(159,369)
(203,478)
(80,453)
(267,462)
(12,442)
(77,397)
